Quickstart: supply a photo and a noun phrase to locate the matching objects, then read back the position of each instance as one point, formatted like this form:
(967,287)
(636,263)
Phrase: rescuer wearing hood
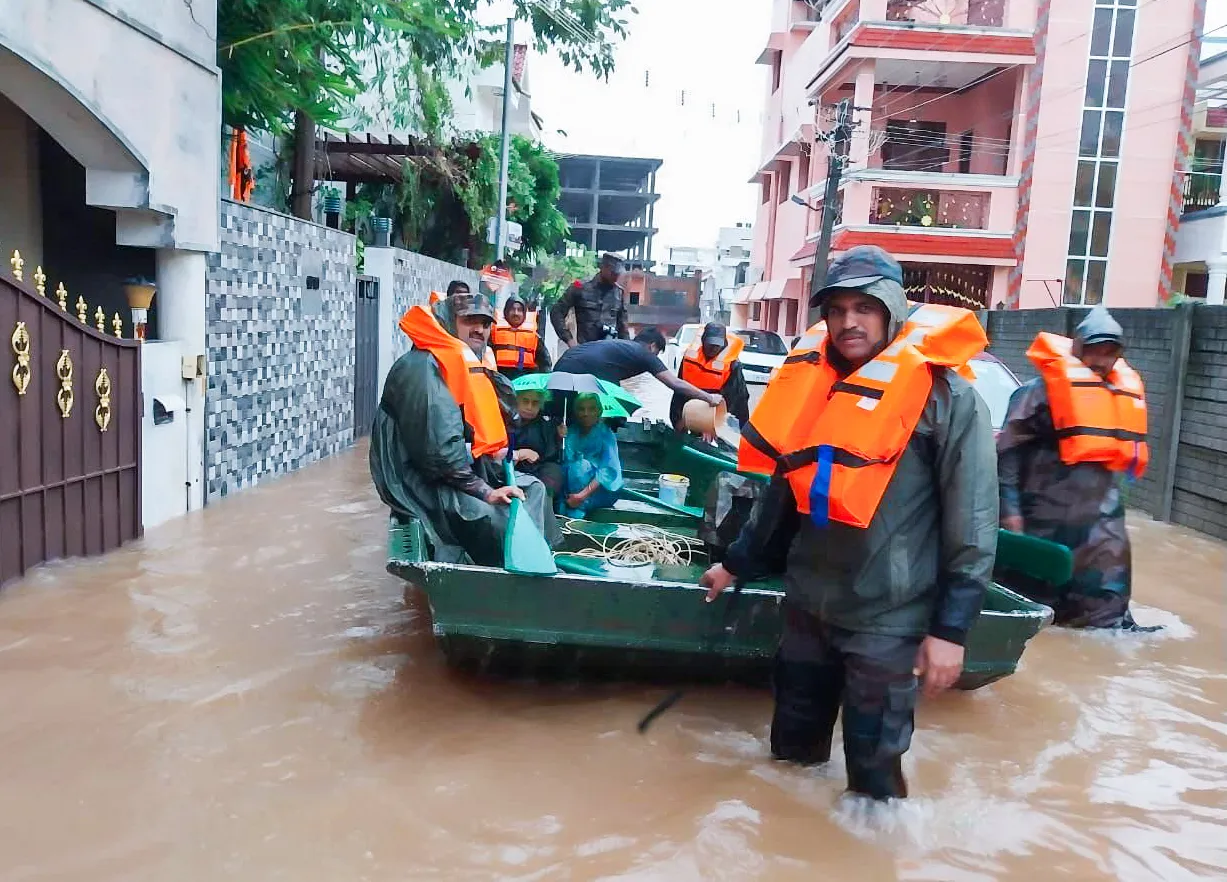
(881,513)
(1070,437)
(519,346)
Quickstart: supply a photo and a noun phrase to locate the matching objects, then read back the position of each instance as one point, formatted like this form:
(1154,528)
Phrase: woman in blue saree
(592,471)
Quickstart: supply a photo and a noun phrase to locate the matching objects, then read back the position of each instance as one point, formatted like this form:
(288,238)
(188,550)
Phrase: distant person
(592,470)
(616,360)
(599,305)
(1070,438)
(518,348)
(711,363)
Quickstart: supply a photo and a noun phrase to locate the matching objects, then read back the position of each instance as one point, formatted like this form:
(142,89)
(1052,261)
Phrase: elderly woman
(592,472)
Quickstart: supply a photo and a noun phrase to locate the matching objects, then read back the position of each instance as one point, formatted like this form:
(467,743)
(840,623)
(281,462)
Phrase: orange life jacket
(516,347)
(1097,420)
(839,439)
(465,375)
(710,376)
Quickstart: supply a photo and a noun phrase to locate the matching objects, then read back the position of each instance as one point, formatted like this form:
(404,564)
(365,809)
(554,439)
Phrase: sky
(704,48)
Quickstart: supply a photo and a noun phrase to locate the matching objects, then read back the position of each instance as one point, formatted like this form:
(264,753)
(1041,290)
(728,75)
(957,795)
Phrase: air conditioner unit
(754,275)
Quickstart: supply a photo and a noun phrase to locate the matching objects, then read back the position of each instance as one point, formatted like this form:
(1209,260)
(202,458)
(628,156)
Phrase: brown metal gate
(70,428)
(366,354)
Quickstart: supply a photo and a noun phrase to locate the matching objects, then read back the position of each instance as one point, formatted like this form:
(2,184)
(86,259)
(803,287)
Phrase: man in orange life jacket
(881,513)
(712,365)
(440,439)
(1070,437)
(519,347)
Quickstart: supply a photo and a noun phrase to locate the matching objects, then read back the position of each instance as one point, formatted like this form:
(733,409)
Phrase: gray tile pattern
(415,276)
(281,354)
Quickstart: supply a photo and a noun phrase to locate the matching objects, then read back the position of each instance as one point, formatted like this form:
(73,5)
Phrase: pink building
(1018,152)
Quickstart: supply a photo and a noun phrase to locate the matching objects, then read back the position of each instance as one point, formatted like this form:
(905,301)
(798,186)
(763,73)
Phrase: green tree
(279,57)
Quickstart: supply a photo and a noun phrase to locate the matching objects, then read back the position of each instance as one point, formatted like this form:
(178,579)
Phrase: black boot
(807,697)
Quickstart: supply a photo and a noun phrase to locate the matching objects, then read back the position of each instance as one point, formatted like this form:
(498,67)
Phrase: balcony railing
(1201,190)
(977,13)
(950,209)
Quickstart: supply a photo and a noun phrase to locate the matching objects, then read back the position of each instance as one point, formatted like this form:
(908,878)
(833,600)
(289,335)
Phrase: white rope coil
(649,545)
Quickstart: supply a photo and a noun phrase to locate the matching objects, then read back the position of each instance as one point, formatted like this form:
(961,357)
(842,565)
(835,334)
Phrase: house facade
(990,145)
(1201,244)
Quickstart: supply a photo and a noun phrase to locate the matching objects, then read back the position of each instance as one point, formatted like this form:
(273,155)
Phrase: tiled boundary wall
(1181,354)
(280,336)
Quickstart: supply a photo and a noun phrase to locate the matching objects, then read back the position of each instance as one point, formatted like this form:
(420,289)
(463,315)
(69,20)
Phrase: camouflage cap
(467,304)
(859,267)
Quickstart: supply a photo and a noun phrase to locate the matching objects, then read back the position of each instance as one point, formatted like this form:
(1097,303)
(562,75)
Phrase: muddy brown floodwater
(245,694)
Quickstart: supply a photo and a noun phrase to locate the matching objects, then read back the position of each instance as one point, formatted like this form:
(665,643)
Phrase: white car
(763,353)
(677,346)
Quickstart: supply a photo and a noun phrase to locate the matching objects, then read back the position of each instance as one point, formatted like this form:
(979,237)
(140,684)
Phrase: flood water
(245,694)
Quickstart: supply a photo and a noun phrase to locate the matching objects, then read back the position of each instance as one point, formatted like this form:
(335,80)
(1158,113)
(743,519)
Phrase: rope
(649,545)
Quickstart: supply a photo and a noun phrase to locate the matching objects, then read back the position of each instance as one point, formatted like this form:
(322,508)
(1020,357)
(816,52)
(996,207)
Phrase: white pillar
(181,279)
(862,96)
(1216,284)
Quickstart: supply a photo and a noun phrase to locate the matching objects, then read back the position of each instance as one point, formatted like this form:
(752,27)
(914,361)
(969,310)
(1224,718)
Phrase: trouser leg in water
(807,681)
(879,707)
(821,670)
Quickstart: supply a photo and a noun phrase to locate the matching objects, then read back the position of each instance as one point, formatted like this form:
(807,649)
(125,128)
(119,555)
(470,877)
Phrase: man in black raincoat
(1079,506)
(420,456)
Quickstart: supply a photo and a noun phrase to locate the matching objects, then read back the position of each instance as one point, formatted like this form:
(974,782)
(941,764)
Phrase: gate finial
(40,281)
(100,320)
(61,294)
(16,263)
(117,325)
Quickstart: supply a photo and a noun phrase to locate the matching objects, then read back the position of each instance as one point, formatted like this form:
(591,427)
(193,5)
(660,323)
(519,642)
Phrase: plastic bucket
(672,489)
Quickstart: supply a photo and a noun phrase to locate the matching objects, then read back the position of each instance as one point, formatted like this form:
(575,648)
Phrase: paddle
(687,510)
(525,551)
(1041,559)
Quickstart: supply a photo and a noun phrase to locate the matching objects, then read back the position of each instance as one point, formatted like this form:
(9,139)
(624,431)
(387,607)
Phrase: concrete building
(610,202)
(1201,244)
(666,302)
(991,143)
(109,168)
(724,269)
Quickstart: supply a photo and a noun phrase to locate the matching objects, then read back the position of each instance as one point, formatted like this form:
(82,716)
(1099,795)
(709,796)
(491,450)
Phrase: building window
(1099,145)
(775,72)
(634,298)
(756,311)
(766,189)
(803,173)
(740,277)
(915,146)
(965,145)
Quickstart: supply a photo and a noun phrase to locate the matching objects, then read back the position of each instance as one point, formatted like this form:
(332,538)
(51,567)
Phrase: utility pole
(500,230)
(838,140)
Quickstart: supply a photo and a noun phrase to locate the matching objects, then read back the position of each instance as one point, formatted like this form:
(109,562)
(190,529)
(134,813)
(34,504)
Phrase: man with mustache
(440,439)
(1071,437)
(881,513)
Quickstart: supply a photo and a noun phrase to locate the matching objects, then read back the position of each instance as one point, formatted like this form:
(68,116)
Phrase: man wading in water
(1069,438)
(881,512)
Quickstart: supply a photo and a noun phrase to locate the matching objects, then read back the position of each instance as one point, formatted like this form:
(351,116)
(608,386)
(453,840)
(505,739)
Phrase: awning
(805,253)
(745,293)
(782,289)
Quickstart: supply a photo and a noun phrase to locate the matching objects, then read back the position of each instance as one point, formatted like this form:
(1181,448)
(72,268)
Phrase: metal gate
(70,427)
(366,354)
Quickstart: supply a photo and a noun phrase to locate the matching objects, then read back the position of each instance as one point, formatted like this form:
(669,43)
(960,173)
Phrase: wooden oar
(525,551)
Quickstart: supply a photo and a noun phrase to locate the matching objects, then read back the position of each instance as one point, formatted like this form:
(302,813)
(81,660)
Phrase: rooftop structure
(610,202)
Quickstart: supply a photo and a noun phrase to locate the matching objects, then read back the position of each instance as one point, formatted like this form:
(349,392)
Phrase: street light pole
(837,154)
(500,231)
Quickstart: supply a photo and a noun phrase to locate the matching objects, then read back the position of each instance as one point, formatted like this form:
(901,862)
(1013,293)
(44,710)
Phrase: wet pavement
(246,694)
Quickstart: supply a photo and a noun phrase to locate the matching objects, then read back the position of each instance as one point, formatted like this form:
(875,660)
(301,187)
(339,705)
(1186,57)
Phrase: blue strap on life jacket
(820,487)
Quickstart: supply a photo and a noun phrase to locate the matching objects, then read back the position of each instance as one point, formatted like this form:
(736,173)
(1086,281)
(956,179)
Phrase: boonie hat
(469,304)
(715,332)
(856,268)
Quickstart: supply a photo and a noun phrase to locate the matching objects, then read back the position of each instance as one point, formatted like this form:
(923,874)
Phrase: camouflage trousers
(821,671)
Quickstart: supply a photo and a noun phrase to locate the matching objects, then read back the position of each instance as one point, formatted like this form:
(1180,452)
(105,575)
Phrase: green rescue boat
(592,619)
